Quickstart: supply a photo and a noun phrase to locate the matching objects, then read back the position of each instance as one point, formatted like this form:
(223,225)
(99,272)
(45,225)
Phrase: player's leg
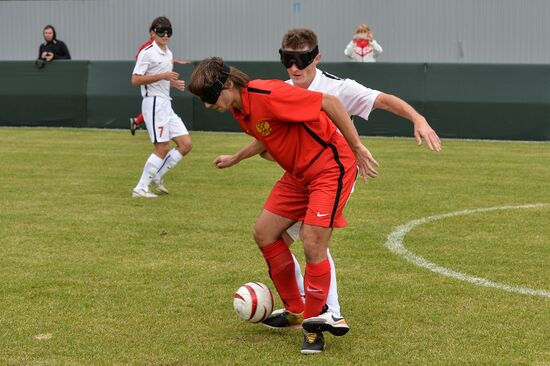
(139,119)
(154,120)
(150,169)
(328,197)
(176,130)
(316,283)
(285,205)
(135,123)
(290,236)
(267,234)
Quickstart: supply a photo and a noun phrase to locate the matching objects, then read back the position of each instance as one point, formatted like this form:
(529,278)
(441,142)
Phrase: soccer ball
(253,302)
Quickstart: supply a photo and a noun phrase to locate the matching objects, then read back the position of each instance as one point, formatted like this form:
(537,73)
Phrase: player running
(153,72)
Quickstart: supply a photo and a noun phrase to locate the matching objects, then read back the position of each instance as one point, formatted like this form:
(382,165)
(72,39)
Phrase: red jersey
(288,121)
(143,46)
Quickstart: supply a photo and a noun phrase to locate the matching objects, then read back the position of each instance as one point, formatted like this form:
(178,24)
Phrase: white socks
(332,299)
(171,160)
(152,166)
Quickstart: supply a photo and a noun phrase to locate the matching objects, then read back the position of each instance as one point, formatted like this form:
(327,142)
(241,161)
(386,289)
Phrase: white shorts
(161,121)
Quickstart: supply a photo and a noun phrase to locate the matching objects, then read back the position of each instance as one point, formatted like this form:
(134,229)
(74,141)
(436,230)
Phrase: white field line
(395,244)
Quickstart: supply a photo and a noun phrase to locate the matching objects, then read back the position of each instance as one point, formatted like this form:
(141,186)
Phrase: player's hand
(178,84)
(171,76)
(181,62)
(224,161)
(366,163)
(423,131)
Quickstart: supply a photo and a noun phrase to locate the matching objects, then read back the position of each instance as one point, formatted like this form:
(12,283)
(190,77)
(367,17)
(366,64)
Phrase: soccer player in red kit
(300,129)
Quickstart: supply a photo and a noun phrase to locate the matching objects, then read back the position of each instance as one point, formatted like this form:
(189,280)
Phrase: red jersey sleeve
(293,104)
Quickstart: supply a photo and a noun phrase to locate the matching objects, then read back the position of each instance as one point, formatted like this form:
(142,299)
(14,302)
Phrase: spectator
(363,47)
(52,48)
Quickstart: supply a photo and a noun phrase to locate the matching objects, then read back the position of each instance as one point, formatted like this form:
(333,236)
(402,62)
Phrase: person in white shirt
(300,55)
(363,47)
(154,73)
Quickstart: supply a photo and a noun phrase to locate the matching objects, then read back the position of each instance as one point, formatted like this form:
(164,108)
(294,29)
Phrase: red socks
(139,119)
(316,285)
(281,270)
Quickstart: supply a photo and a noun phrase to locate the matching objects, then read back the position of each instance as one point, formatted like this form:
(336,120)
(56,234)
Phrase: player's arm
(422,130)
(255,147)
(336,112)
(138,80)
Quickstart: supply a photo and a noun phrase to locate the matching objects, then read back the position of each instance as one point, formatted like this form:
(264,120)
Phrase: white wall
(472,31)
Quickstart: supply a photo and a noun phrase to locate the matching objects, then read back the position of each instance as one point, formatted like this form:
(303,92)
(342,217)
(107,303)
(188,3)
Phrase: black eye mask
(301,59)
(160,31)
(212,94)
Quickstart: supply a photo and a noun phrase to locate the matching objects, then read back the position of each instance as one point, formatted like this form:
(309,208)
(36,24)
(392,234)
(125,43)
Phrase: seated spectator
(363,47)
(52,48)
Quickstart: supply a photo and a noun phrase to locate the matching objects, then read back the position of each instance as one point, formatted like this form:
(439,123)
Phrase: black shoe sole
(315,327)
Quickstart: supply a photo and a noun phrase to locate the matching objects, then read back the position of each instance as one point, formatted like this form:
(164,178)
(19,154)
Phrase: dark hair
(160,22)
(53,29)
(299,38)
(208,71)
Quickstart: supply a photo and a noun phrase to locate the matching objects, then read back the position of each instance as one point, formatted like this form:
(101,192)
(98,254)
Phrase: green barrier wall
(52,96)
(464,101)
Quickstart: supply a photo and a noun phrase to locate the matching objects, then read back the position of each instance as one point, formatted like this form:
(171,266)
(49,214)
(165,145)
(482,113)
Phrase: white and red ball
(253,302)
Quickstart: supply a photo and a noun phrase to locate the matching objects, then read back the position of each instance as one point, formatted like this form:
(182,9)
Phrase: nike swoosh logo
(321,215)
(336,319)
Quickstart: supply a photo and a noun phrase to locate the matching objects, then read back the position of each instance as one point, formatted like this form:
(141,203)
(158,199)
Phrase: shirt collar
(316,80)
(159,50)
(245,103)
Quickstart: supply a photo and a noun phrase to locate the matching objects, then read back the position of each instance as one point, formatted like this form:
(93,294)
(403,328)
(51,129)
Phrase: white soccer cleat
(142,193)
(158,185)
(326,322)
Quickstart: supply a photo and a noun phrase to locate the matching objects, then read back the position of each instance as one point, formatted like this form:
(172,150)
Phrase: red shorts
(317,197)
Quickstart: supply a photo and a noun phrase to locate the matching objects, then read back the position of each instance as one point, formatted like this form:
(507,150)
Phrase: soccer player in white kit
(300,55)
(154,73)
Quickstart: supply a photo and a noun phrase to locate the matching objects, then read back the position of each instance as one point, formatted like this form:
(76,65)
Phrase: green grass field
(90,276)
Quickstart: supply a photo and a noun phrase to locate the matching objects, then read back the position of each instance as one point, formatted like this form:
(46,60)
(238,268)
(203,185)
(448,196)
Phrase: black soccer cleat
(133,126)
(282,319)
(313,343)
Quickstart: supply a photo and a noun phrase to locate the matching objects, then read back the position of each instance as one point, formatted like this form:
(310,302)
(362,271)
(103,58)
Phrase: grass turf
(105,279)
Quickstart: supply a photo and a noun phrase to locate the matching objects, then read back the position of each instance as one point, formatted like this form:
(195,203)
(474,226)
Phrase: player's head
(49,33)
(300,55)
(216,83)
(161,29)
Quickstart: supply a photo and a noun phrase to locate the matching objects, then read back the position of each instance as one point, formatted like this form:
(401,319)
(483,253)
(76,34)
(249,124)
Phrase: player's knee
(314,253)
(185,147)
(161,150)
(261,237)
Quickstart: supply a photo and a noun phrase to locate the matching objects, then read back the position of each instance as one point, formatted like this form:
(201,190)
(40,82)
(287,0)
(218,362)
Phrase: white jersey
(357,99)
(152,60)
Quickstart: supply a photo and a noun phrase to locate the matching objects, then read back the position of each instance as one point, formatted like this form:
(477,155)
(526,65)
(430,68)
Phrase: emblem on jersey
(263,128)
